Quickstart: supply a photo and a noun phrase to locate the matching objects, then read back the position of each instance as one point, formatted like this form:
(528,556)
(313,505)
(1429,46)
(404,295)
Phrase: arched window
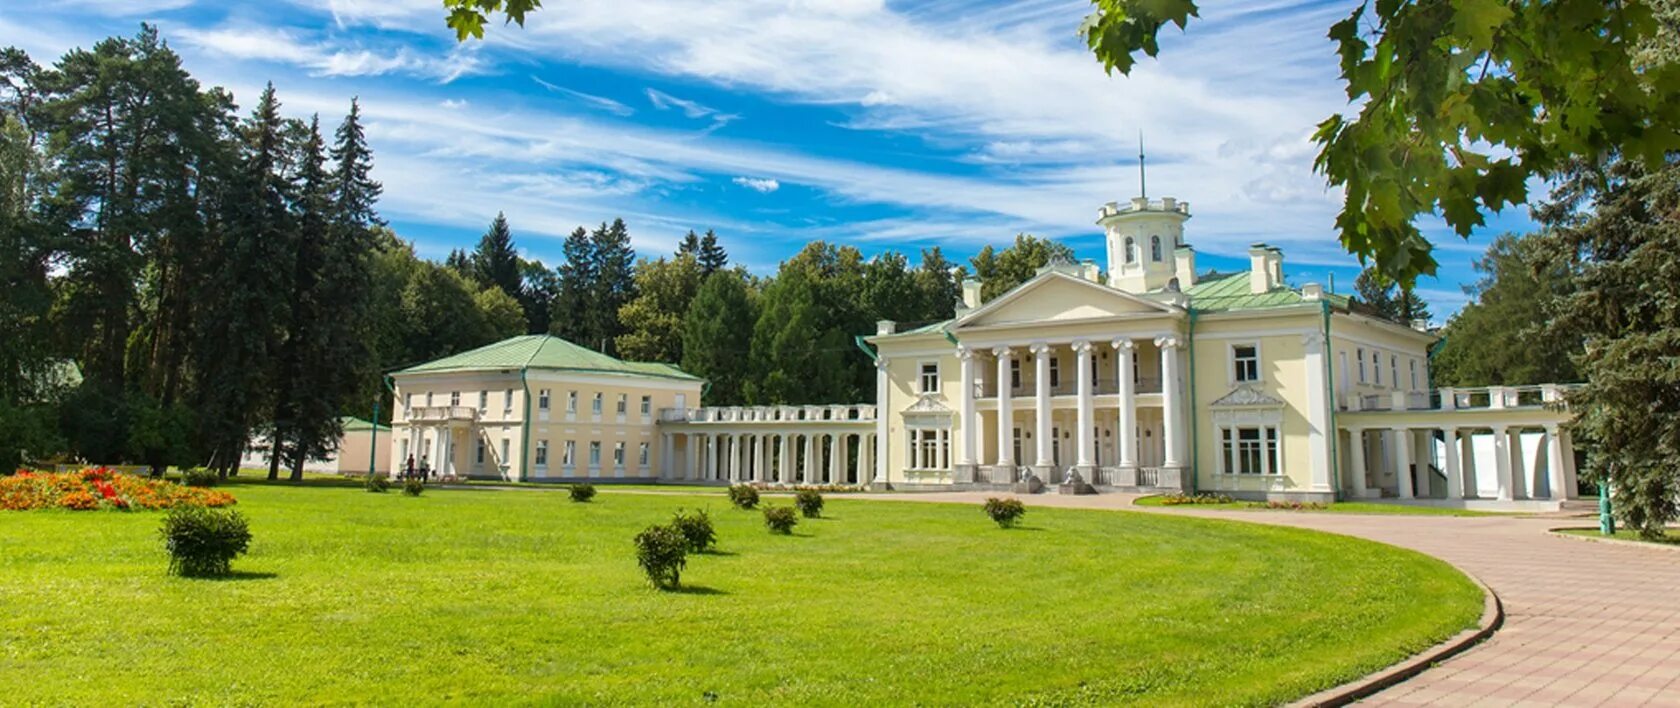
(1155,248)
(1131,256)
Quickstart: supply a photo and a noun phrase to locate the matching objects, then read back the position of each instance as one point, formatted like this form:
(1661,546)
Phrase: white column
(1041,369)
(1173,402)
(970,421)
(1502,461)
(1455,475)
(1423,444)
(808,474)
(1128,441)
(1570,482)
(783,460)
(763,465)
(1006,413)
(1087,444)
(1356,455)
(1403,461)
(714,453)
(691,456)
(882,413)
(1467,461)
(1556,472)
(833,466)
(1319,434)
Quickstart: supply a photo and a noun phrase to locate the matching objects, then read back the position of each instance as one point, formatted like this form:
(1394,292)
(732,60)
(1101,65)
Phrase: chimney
(971,293)
(1089,271)
(1184,266)
(885,327)
(1420,324)
(1259,274)
(1312,291)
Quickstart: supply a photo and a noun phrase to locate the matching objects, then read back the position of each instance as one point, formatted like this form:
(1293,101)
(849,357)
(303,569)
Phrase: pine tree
(495,263)
(614,285)
(244,317)
(689,245)
(570,320)
(539,287)
(712,342)
(712,257)
(1387,300)
(298,394)
(459,261)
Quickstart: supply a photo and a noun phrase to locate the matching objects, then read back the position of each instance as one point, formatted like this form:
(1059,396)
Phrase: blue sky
(885,125)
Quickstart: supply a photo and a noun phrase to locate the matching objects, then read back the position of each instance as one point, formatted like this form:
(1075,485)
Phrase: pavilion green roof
(542,351)
(1224,292)
(354,424)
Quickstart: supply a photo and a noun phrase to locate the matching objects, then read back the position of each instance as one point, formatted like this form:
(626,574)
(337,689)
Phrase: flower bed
(100,488)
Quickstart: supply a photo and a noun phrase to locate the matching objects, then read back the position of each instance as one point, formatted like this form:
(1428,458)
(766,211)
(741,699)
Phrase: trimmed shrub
(743,496)
(663,553)
(1193,499)
(696,529)
(780,519)
(582,492)
(810,503)
(413,487)
(376,483)
(1005,511)
(199,477)
(203,542)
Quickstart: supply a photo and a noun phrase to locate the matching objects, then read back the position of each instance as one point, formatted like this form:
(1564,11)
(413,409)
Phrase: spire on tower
(1143,185)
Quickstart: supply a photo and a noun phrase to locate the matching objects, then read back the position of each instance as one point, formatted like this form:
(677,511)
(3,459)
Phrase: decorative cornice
(927,404)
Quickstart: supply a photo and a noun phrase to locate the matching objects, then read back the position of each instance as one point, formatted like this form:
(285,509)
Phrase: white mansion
(1153,377)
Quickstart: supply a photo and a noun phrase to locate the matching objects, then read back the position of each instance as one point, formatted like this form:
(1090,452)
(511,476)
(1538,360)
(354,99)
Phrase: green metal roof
(542,351)
(931,328)
(1223,292)
(353,424)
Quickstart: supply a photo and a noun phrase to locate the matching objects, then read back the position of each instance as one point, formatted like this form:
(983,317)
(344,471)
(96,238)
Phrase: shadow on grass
(696,590)
(718,553)
(235,576)
(1024,528)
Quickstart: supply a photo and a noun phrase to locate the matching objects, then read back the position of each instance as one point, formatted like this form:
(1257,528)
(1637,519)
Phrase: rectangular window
(1376,368)
(623,403)
(618,454)
(428,399)
(1055,372)
(1394,370)
(1360,355)
(571,401)
(408,400)
(1245,362)
(479,455)
(542,399)
(930,377)
(542,453)
(1014,373)
(1244,447)
(504,450)
(642,455)
(596,406)
(568,455)
(647,405)
(507,401)
(594,453)
(454,398)
(1413,364)
(483,401)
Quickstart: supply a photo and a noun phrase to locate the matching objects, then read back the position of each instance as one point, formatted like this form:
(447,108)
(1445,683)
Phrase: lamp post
(1606,520)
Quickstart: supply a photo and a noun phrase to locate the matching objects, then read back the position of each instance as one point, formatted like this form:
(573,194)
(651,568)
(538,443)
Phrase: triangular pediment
(1247,397)
(1054,296)
(928,406)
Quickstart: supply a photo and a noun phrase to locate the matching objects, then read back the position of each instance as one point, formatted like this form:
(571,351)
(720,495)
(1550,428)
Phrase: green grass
(500,597)
(1624,534)
(1341,507)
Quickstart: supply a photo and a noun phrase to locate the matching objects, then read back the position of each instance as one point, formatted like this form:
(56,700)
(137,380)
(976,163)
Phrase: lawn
(516,596)
(1341,507)
(1624,534)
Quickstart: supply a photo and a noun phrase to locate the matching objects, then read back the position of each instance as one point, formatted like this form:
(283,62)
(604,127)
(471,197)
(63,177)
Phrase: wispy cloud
(692,109)
(327,58)
(761,185)
(588,99)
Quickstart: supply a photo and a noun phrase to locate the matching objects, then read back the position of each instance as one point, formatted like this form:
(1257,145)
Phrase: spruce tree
(614,285)
(539,286)
(301,398)
(712,257)
(495,263)
(570,319)
(689,245)
(459,261)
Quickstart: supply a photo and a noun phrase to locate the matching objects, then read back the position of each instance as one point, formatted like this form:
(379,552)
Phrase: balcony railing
(1105,387)
(1449,399)
(766,414)
(440,414)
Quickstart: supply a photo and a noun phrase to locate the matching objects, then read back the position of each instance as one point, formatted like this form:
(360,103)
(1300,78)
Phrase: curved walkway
(1586,623)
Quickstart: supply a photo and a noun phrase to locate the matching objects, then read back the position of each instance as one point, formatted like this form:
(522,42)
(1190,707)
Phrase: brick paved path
(1586,623)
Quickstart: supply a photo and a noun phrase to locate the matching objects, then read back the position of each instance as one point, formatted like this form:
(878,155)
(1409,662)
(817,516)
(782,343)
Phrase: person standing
(408,472)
